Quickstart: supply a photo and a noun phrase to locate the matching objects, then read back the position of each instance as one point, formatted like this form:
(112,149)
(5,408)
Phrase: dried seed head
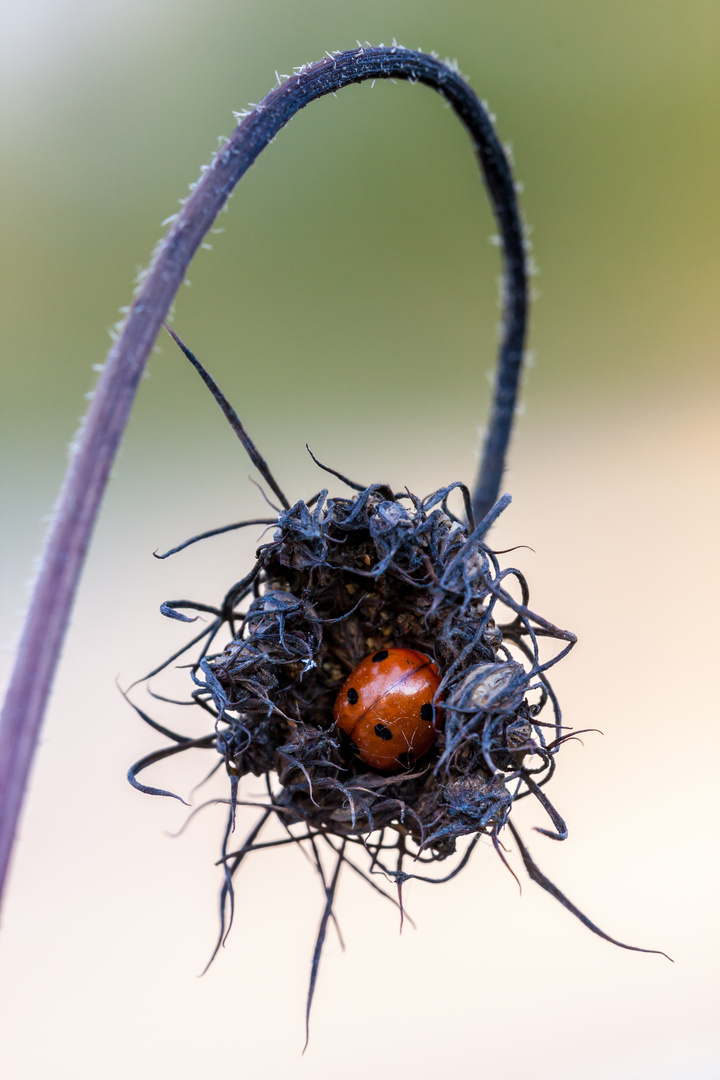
(340,579)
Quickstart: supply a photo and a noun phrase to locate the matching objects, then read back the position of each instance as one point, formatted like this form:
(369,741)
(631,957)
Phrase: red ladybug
(386,706)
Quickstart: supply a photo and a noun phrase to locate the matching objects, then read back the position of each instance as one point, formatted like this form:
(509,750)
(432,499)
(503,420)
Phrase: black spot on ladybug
(353,696)
(383,732)
(405,758)
(427,712)
(382,655)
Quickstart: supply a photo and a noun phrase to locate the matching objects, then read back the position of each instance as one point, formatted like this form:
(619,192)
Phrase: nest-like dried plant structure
(343,578)
(346,577)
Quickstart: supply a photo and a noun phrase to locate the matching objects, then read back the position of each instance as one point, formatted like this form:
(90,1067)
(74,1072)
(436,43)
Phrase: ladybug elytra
(386,707)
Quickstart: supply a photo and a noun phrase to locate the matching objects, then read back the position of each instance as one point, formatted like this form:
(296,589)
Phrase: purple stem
(105,421)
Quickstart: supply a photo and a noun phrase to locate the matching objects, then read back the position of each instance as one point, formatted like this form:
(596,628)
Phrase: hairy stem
(105,421)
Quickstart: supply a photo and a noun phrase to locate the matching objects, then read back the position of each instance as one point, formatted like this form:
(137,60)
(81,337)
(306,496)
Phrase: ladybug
(386,706)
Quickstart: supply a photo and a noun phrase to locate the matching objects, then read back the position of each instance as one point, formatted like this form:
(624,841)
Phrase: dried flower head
(350,577)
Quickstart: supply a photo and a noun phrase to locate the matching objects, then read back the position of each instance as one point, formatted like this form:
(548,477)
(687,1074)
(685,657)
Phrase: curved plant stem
(103,426)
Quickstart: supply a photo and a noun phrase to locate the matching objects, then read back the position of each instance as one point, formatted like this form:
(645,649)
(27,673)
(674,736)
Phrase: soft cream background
(352,303)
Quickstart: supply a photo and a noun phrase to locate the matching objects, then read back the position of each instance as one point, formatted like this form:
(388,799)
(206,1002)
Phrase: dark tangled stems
(105,421)
(341,578)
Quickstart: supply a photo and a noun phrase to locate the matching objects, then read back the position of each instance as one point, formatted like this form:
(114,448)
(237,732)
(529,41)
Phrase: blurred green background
(351,302)
(354,286)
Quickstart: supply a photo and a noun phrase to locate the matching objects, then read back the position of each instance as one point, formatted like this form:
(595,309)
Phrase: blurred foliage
(354,287)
